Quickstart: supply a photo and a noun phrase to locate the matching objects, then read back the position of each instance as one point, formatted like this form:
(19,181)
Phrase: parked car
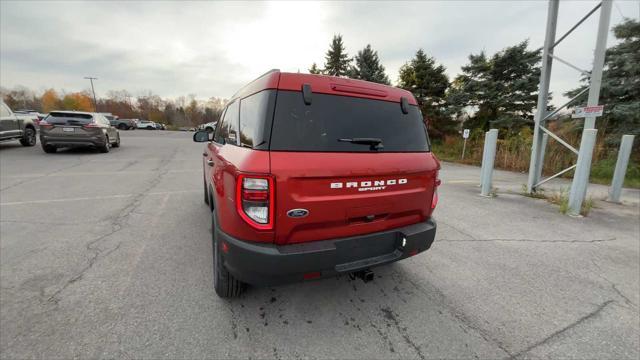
(210,126)
(335,177)
(77,129)
(122,124)
(161,126)
(145,124)
(16,126)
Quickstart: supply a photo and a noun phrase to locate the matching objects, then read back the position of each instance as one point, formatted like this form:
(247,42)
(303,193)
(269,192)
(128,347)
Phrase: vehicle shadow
(394,313)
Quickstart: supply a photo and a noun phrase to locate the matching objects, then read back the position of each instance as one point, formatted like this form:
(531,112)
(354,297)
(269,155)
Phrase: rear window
(330,118)
(68,118)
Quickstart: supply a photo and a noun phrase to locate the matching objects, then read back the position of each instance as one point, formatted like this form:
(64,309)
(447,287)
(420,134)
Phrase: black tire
(122,126)
(49,149)
(106,147)
(225,285)
(149,127)
(117,143)
(29,137)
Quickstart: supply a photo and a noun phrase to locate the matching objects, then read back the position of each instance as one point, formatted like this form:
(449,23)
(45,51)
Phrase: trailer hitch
(364,275)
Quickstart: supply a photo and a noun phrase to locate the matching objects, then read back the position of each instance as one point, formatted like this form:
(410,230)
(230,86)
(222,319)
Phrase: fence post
(488,158)
(583,169)
(621,168)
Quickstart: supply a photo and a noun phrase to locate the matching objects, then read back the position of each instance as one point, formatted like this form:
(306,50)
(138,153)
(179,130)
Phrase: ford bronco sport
(309,176)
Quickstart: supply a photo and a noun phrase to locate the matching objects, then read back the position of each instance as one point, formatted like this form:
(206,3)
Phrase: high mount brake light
(255,200)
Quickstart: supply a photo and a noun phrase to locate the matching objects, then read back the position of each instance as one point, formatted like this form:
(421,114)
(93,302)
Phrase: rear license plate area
(67,129)
(349,250)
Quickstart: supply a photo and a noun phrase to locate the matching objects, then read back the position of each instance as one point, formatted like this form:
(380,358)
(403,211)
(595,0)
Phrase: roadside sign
(465,136)
(588,111)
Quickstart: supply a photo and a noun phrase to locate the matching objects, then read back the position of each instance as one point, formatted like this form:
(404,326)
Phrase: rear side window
(56,118)
(227,131)
(255,119)
(320,126)
(232,119)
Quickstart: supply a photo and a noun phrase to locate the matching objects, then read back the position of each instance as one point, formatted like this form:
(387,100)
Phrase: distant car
(77,129)
(161,126)
(209,127)
(122,124)
(149,125)
(17,126)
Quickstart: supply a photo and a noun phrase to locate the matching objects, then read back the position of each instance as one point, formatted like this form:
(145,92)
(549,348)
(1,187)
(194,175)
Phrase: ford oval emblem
(297,213)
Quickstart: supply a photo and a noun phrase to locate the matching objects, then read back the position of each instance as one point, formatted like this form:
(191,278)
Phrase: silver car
(75,128)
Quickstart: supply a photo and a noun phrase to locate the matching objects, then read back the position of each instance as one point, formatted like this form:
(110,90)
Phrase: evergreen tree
(503,89)
(367,67)
(336,60)
(428,83)
(314,69)
(620,89)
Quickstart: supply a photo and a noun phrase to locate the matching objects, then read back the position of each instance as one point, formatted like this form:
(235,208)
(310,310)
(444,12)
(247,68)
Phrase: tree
(314,69)
(620,89)
(80,101)
(428,83)
(50,101)
(367,67)
(336,60)
(502,90)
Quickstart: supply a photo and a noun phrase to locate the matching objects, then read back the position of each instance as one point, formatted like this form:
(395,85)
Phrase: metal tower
(541,133)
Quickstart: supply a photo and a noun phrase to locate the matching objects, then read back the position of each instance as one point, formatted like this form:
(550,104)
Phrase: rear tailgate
(70,125)
(350,194)
(349,166)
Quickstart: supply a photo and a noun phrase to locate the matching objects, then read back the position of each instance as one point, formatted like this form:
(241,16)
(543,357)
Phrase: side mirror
(201,136)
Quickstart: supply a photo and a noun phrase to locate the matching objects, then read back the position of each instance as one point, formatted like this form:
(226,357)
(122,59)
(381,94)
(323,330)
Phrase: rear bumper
(268,264)
(96,141)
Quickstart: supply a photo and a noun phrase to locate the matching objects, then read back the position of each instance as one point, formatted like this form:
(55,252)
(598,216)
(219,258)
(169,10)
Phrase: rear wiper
(375,143)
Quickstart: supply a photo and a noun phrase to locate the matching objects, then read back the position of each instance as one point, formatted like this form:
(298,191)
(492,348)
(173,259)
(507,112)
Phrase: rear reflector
(434,200)
(311,275)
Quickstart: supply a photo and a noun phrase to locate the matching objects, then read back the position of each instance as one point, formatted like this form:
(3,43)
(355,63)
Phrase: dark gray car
(75,128)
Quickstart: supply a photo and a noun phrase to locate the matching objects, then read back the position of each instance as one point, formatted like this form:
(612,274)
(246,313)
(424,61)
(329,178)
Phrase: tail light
(45,124)
(91,126)
(434,200)
(254,200)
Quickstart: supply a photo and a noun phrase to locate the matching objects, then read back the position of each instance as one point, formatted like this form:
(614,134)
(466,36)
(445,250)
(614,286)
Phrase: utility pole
(95,102)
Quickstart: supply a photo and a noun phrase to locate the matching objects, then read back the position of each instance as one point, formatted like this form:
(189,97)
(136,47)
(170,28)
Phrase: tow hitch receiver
(365,275)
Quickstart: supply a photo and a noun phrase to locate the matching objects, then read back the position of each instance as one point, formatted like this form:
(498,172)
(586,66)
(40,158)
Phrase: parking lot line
(118,196)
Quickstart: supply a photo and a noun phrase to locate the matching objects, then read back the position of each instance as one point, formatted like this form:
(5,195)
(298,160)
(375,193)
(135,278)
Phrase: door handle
(209,162)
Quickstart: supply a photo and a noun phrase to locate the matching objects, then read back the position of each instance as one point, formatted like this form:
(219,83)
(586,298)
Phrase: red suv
(310,176)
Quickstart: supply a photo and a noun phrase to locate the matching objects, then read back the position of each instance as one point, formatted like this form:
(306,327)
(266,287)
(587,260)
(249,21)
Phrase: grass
(560,198)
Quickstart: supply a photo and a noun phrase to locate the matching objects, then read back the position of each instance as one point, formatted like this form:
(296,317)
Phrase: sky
(211,49)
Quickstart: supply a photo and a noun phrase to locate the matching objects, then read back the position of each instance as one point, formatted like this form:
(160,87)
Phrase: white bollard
(621,168)
(488,159)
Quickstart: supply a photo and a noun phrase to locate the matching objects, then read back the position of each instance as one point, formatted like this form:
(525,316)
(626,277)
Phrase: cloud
(213,48)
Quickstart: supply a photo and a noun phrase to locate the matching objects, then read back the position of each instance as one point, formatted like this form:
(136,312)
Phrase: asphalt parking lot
(109,255)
